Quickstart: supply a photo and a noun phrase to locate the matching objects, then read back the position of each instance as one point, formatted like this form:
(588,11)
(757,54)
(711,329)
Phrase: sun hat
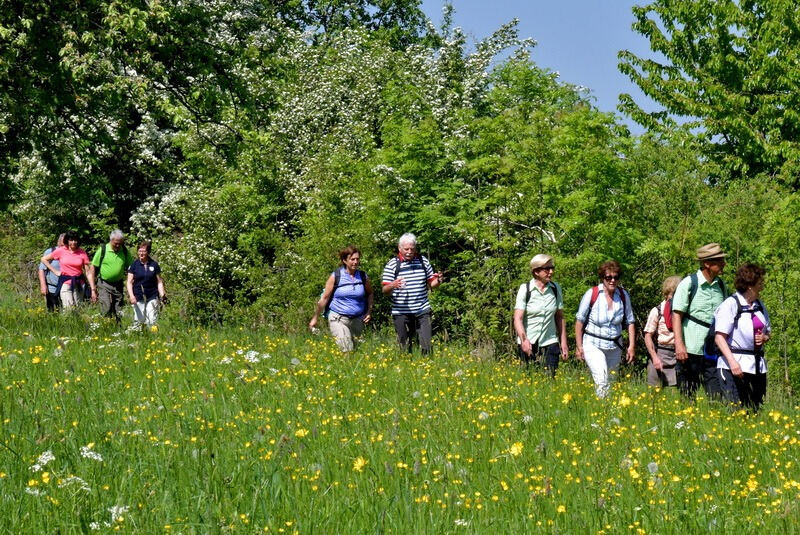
(710,251)
(540,260)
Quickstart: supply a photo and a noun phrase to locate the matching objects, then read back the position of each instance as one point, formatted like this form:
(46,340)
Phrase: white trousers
(603,363)
(145,312)
(344,330)
(70,298)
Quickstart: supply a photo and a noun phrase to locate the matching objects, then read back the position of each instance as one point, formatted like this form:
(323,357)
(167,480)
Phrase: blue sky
(578,38)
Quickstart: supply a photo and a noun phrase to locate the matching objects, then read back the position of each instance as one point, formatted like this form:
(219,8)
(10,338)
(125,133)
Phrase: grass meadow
(195,430)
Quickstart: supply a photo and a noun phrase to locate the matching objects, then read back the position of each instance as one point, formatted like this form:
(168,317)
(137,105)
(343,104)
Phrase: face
(73,244)
(407,250)
(142,253)
(759,286)
(715,267)
(60,241)
(116,243)
(611,280)
(353,261)
(544,273)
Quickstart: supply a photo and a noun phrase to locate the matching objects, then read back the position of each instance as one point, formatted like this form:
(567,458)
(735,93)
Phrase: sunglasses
(546,268)
(611,277)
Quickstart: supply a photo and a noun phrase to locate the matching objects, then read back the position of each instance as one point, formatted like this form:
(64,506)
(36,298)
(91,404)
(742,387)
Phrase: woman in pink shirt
(73,265)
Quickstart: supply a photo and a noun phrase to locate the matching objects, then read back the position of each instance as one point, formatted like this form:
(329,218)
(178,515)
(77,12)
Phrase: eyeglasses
(611,277)
(546,268)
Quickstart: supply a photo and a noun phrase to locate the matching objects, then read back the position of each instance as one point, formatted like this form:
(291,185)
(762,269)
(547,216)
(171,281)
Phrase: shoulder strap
(527,294)
(396,267)
(592,301)
(692,290)
(624,300)
(102,256)
(556,291)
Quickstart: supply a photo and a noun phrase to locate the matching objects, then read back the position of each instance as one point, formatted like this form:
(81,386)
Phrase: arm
(519,328)
(722,343)
(435,280)
(651,350)
(162,292)
(42,282)
(561,332)
(677,328)
(631,342)
(370,300)
(129,285)
(46,261)
(320,306)
(89,270)
(579,339)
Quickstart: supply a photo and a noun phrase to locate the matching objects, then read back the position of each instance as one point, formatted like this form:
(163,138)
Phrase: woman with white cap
(539,317)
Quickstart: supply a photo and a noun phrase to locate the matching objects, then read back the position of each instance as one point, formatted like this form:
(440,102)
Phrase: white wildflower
(88,453)
(42,461)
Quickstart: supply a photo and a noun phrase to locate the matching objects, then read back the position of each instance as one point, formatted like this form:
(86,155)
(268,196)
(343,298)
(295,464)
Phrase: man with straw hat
(696,298)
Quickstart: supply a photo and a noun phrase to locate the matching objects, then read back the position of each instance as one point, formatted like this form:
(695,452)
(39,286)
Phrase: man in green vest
(112,260)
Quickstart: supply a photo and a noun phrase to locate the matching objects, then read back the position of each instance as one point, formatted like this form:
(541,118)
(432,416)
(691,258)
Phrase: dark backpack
(337,277)
(711,350)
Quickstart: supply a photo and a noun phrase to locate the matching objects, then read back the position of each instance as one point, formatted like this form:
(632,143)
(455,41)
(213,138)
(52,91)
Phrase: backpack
(337,277)
(666,314)
(711,350)
(593,300)
(693,290)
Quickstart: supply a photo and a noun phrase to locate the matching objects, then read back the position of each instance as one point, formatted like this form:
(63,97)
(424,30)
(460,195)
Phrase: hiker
(604,311)
(73,262)
(110,263)
(407,277)
(145,287)
(539,317)
(347,298)
(48,280)
(660,340)
(696,298)
(742,327)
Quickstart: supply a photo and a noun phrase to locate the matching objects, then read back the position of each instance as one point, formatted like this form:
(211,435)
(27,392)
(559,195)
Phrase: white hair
(407,238)
(117,233)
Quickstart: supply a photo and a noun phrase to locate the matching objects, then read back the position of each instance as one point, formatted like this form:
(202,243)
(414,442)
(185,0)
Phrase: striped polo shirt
(413,297)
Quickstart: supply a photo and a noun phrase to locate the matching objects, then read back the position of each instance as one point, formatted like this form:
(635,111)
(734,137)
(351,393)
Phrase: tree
(729,69)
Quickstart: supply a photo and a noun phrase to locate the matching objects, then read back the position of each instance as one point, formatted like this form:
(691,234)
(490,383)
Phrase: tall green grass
(192,430)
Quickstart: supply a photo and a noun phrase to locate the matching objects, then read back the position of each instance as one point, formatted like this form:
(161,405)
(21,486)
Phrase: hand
(439,276)
(736,370)
(398,283)
(564,352)
(680,352)
(57,272)
(313,323)
(579,353)
(367,317)
(526,347)
(94,295)
(132,299)
(760,338)
(657,364)
(43,290)
(630,354)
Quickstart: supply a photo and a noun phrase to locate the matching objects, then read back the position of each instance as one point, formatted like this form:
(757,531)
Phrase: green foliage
(729,69)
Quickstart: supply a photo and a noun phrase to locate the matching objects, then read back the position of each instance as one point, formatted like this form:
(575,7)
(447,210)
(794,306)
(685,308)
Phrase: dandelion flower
(359,463)
(567,398)
(516,449)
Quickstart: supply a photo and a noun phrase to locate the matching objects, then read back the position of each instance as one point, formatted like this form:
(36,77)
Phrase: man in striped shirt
(407,278)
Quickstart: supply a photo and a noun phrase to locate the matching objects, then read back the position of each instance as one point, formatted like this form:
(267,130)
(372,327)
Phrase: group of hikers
(699,335)
(67,278)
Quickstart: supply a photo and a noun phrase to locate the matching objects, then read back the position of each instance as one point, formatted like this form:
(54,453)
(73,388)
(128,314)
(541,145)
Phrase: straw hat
(540,260)
(710,251)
